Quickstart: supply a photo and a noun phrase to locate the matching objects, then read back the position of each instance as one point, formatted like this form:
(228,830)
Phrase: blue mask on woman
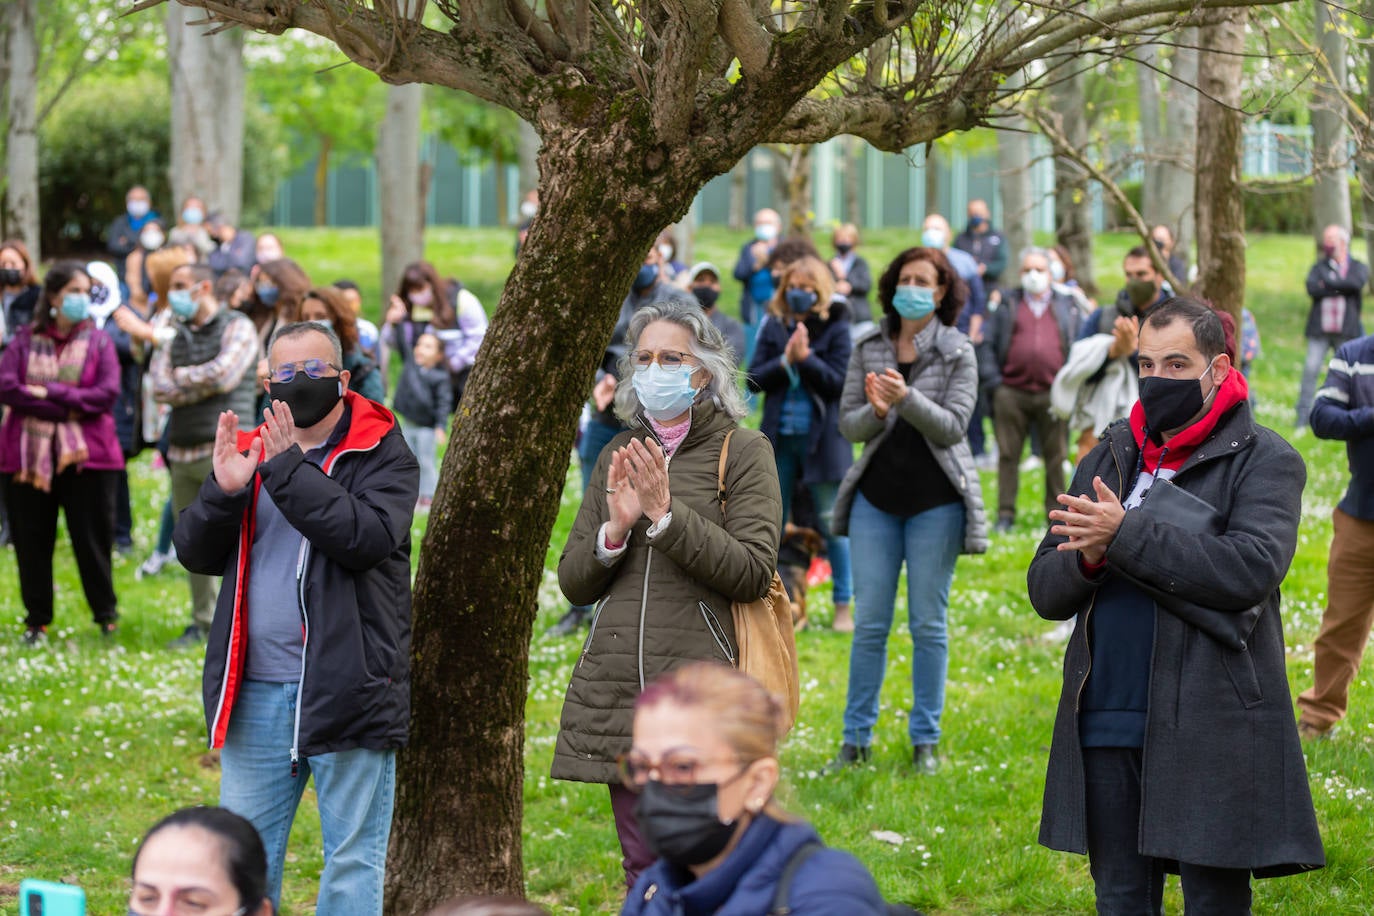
(914,302)
(662,393)
(268,295)
(76,307)
(646,277)
(800,301)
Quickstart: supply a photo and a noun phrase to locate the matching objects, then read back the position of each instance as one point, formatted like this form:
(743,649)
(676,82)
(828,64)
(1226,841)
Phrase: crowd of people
(292,492)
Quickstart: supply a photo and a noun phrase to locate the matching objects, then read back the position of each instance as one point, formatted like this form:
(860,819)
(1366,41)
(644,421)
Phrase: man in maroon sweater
(1031,335)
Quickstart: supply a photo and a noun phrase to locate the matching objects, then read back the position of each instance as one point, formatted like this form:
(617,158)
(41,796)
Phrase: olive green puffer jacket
(664,602)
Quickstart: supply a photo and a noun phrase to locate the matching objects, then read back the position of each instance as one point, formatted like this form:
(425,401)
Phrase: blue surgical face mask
(647,277)
(765,232)
(193,216)
(137,208)
(800,301)
(323,322)
(664,394)
(182,302)
(268,295)
(933,238)
(76,307)
(914,302)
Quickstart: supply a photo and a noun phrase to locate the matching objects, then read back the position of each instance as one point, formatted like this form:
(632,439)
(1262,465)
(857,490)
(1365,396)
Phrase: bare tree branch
(745,35)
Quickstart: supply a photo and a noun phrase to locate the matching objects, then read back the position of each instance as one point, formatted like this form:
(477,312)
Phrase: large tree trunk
(399,182)
(20,215)
(739,192)
(1175,178)
(1153,146)
(1014,181)
(1330,158)
(1072,215)
(1220,213)
(207,113)
(458,813)
(800,206)
(852,149)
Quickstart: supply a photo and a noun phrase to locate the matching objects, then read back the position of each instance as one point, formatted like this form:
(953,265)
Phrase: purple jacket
(93,398)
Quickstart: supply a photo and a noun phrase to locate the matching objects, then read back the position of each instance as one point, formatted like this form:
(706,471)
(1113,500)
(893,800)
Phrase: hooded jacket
(665,601)
(1223,781)
(352,583)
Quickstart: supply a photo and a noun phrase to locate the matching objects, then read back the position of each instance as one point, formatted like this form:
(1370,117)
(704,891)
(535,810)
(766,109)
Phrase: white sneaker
(1031,463)
(154,564)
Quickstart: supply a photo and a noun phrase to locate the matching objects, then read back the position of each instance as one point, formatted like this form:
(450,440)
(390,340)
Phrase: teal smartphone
(48,898)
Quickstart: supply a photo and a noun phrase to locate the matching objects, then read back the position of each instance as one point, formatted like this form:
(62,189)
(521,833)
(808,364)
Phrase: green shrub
(107,135)
(1281,207)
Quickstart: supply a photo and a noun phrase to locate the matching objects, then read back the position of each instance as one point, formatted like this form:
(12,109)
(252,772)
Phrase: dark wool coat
(1224,783)
(1324,280)
(828,454)
(666,601)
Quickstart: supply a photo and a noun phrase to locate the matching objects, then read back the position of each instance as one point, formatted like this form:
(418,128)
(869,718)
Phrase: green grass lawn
(97,742)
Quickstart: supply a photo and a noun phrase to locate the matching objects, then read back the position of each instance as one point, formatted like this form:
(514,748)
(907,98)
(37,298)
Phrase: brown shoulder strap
(720,472)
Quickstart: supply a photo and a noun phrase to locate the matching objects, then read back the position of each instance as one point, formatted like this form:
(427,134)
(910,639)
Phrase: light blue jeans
(928,543)
(422,442)
(791,459)
(355,789)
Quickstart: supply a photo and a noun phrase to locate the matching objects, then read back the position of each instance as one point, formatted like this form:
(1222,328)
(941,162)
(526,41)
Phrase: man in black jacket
(307,667)
(1175,746)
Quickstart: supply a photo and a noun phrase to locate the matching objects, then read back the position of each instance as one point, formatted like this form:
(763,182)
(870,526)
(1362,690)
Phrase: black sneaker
(190,639)
(850,755)
(1005,525)
(34,636)
(924,758)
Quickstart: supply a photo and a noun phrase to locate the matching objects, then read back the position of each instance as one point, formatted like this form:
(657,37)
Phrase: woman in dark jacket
(325,305)
(913,497)
(704,766)
(651,547)
(18,296)
(799,362)
(58,448)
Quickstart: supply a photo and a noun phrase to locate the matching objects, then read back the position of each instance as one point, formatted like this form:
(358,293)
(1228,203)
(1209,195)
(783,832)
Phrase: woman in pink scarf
(59,378)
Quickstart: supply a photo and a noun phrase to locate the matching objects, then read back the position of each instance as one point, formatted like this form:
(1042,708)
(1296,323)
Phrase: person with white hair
(1335,283)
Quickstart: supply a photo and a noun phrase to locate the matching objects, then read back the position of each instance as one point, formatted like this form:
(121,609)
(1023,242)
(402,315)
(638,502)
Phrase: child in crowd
(423,399)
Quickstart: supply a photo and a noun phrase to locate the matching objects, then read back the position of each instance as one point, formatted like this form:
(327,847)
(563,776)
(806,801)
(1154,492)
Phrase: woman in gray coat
(913,496)
(650,547)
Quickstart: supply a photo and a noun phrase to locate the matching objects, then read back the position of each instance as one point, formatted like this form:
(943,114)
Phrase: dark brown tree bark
(1220,211)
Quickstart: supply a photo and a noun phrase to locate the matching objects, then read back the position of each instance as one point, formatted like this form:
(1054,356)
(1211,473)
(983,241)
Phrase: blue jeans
(791,459)
(424,444)
(355,791)
(1312,366)
(595,437)
(928,543)
(1128,883)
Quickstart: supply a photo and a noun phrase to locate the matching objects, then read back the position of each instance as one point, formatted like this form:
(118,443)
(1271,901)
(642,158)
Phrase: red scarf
(1171,455)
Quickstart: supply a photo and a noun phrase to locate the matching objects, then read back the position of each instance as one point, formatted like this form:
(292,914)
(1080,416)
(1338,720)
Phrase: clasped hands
(636,485)
(798,345)
(884,391)
(1088,524)
(233,468)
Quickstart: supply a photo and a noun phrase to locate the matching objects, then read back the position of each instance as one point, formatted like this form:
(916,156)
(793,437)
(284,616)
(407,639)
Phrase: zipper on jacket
(305,640)
(596,616)
(228,659)
(717,632)
(643,609)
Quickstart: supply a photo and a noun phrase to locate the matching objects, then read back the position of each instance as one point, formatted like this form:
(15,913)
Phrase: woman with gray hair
(651,547)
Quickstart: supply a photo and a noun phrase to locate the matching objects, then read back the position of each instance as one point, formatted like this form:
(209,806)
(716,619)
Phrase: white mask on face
(1035,282)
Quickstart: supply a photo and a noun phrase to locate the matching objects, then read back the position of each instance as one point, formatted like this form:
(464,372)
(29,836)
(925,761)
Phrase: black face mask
(681,823)
(843,248)
(310,399)
(1142,293)
(706,295)
(10,277)
(1169,403)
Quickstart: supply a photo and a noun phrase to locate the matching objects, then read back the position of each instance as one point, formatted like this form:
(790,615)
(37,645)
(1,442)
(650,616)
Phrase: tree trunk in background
(207,113)
(1153,146)
(1220,213)
(398,182)
(1014,180)
(800,206)
(1073,226)
(322,181)
(527,149)
(1330,157)
(20,212)
(498,164)
(1179,164)
(930,172)
(739,194)
(1366,152)
(852,149)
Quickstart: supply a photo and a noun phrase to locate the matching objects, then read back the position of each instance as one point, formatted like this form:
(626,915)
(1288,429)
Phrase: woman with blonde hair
(799,361)
(705,766)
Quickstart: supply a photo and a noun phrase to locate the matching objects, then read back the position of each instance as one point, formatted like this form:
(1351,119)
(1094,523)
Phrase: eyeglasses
(675,768)
(671,360)
(181,905)
(313,368)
